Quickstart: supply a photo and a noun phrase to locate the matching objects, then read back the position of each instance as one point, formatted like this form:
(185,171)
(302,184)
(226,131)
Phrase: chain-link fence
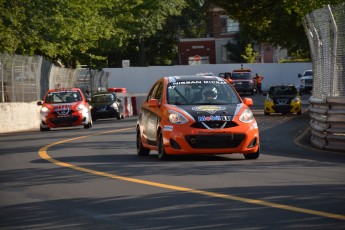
(20,78)
(325,29)
(326,33)
(26,78)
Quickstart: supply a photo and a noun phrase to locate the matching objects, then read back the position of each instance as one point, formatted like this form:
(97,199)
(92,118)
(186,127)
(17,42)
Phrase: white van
(306,84)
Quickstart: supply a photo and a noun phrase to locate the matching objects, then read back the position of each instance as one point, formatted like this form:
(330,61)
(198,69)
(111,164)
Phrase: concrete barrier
(18,117)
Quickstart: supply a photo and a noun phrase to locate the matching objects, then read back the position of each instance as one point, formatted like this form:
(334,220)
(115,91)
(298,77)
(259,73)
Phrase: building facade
(212,49)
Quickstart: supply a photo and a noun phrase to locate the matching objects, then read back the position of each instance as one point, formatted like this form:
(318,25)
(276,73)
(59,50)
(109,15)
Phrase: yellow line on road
(44,155)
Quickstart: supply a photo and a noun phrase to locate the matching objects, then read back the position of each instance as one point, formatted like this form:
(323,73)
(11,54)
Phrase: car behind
(106,105)
(64,108)
(282,99)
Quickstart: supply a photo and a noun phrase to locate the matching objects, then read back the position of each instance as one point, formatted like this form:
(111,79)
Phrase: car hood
(211,112)
(94,104)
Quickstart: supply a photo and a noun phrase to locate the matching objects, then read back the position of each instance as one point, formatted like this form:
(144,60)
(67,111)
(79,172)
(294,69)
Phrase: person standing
(258,80)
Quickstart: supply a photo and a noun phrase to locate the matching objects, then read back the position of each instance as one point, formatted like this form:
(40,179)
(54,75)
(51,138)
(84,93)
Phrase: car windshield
(308,73)
(107,97)
(63,97)
(282,90)
(237,76)
(203,92)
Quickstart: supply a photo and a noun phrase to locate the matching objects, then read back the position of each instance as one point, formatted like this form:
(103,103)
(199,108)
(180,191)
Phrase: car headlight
(177,118)
(82,107)
(247,116)
(44,111)
(114,105)
(296,99)
(268,99)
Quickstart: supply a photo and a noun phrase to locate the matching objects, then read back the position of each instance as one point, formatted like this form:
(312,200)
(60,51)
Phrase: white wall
(15,117)
(140,79)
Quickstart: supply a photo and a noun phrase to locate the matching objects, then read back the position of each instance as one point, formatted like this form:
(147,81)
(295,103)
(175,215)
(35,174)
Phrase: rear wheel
(252,156)
(161,151)
(141,150)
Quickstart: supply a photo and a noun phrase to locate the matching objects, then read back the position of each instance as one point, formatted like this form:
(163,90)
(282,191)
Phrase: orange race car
(64,108)
(196,115)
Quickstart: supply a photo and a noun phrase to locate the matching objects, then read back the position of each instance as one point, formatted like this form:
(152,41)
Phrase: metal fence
(325,29)
(27,78)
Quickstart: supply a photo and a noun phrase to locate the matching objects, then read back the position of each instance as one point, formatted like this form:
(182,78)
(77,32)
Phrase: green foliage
(79,31)
(249,54)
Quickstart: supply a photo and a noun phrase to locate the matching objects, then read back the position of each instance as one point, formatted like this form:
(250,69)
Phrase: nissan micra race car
(196,115)
(64,108)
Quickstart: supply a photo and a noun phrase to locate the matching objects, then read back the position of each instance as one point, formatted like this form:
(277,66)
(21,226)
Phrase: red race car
(64,108)
(196,115)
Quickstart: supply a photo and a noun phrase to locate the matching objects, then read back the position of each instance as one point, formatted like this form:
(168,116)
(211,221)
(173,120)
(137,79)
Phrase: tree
(278,22)
(249,54)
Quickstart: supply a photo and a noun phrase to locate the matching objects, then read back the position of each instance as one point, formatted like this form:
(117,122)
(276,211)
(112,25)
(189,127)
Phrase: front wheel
(252,156)
(161,151)
(141,150)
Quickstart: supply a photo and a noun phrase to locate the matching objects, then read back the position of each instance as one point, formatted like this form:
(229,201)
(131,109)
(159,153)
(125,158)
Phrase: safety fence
(27,78)
(325,29)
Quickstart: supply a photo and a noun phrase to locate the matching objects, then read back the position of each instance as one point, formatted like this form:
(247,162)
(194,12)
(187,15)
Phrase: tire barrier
(328,123)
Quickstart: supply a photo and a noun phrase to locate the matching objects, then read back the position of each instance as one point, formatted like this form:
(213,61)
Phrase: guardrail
(328,123)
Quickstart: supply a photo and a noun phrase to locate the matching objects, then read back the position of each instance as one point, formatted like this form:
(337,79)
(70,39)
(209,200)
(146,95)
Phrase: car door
(150,116)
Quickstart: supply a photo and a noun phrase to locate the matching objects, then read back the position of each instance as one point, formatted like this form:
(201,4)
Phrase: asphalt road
(92,179)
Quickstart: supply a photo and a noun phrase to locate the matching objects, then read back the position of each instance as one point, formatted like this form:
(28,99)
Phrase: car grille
(214,124)
(64,121)
(215,141)
(282,101)
(102,108)
(282,108)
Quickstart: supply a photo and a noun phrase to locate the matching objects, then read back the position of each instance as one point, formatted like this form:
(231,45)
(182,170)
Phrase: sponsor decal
(226,118)
(211,109)
(62,109)
(209,118)
(168,128)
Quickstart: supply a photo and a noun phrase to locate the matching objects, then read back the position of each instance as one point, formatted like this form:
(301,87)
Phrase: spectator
(258,82)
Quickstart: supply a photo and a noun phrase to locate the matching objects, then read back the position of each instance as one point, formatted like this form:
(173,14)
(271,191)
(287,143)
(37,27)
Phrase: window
(228,25)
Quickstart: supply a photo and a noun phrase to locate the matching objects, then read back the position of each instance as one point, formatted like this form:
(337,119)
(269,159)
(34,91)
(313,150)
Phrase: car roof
(63,89)
(193,78)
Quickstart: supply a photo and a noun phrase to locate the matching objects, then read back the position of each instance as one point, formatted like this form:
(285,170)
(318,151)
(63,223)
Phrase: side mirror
(248,101)
(39,103)
(299,75)
(153,103)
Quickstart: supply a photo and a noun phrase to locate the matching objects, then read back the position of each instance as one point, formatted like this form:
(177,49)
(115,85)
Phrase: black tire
(299,112)
(266,113)
(141,150)
(118,116)
(161,151)
(44,129)
(252,156)
(88,125)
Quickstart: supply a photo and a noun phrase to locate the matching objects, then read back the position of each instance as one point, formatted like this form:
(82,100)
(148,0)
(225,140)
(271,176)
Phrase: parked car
(306,84)
(64,108)
(106,105)
(196,115)
(282,99)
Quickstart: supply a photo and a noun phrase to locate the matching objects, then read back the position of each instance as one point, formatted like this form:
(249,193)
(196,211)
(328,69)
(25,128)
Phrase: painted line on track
(44,155)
